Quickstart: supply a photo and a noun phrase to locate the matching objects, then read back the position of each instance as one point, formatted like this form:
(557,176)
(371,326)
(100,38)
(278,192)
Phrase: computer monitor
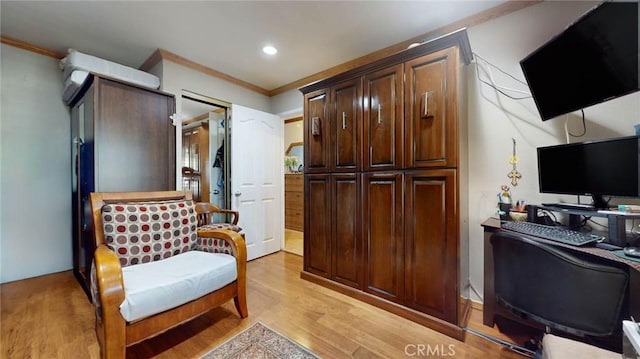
(597,168)
(593,60)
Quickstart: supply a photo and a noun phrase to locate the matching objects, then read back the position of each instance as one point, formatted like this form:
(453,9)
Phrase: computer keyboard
(552,233)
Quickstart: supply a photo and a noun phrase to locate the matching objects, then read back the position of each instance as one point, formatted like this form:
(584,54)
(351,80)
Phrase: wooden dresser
(294,202)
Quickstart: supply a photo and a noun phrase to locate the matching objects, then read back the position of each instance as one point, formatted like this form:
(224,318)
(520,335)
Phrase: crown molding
(162,54)
(30,47)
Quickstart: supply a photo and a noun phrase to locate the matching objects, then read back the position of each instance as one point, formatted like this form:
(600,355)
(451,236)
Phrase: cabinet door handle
(426,105)
(379,113)
(344,122)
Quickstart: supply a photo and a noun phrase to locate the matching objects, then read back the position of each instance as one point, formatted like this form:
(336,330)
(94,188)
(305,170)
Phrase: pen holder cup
(518,216)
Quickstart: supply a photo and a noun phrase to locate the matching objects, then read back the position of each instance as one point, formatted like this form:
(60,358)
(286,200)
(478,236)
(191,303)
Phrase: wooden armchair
(140,235)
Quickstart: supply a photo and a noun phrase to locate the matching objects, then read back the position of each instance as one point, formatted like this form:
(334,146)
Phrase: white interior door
(256,178)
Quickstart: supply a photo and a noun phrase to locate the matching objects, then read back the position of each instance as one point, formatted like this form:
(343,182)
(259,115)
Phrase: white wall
(176,78)
(287,102)
(292,133)
(35,167)
(495,119)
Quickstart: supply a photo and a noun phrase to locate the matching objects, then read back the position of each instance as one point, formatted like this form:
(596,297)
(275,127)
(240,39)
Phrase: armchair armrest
(235,215)
(111,294)
(239,250)
(238,246)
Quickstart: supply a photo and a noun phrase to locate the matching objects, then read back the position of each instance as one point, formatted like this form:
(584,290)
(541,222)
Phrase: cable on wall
(566,128)
(502,89)
(492,83)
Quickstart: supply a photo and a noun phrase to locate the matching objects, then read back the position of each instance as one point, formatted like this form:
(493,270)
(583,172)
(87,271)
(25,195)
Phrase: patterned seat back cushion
(145,232)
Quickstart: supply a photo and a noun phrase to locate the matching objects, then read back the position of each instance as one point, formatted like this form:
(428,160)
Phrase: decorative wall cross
(514,175)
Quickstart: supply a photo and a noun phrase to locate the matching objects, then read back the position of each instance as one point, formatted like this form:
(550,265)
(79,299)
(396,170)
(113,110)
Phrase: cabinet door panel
(431,243)
(317,222)
(384,249)
(383,124)
(317,132)
(347,117)
(135,139)
(430,100)
(347,246)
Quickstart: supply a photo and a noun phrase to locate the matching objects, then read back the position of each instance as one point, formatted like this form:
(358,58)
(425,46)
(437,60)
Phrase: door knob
(238,194)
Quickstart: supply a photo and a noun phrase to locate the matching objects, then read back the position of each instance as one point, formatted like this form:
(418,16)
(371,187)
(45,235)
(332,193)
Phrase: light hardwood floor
(50,317)
(293,241)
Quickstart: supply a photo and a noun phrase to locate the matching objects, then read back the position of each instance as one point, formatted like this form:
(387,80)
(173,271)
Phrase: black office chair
(560,290)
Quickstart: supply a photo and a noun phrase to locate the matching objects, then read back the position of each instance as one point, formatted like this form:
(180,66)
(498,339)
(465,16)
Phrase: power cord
(566,127)
(497,87)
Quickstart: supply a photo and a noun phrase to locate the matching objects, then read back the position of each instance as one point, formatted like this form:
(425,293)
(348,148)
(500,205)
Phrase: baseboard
(476,305)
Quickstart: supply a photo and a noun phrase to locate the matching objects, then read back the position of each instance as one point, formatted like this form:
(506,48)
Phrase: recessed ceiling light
(269,50)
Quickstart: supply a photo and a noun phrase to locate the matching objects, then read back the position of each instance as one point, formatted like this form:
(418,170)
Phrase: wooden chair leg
(241,305)
(112,340)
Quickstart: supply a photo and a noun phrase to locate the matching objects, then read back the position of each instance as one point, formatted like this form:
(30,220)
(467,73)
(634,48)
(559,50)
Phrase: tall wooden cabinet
(123,140)
(386,180)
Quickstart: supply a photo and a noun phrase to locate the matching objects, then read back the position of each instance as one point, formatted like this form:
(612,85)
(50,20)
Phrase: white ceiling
(228,36)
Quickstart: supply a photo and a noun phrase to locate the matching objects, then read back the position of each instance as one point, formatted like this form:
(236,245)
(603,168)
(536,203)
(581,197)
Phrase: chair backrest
(576,294)
(206,212)
(142,227)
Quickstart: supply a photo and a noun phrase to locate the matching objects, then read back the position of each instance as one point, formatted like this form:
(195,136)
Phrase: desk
(490,305)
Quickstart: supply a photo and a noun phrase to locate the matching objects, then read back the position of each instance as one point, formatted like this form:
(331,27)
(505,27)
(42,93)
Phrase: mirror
(294,157)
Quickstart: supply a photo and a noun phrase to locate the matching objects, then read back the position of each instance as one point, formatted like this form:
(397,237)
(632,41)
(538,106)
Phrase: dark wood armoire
(123,139)
(386,181)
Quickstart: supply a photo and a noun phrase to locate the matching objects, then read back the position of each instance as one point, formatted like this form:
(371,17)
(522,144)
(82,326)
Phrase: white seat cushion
(555,347)
(154,287)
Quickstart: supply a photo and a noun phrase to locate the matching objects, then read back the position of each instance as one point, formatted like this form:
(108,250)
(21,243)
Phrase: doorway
(205,152)
(214,133)
(294,185)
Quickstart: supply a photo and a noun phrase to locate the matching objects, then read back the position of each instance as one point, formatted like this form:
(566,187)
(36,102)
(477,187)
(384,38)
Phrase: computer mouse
(632,252)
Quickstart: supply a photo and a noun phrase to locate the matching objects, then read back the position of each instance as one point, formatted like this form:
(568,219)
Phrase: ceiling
(311,36)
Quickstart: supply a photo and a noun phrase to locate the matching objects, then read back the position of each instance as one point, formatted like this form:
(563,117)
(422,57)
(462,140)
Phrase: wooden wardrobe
(123,139)
(386,181)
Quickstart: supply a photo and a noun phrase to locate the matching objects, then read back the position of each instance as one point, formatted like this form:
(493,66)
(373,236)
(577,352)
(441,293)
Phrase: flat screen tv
(597,168)
(593,60)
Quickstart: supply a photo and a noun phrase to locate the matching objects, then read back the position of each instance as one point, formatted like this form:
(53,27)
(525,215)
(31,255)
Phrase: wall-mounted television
(593,60)
(598,168)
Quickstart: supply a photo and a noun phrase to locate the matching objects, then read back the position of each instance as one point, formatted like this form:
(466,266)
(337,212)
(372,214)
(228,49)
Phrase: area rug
(259,341)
